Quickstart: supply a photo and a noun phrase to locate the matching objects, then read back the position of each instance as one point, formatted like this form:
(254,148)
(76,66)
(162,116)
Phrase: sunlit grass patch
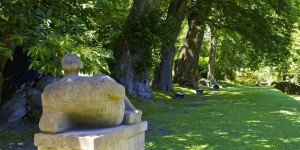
(233,118)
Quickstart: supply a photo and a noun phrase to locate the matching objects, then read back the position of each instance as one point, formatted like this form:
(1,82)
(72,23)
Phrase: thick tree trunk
(186,66)
(212,56)
(136,82)
(163,72)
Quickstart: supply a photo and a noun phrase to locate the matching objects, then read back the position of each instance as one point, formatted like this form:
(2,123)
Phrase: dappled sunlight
(250,138)
(290,140)
(161,95)
(197,146)
(237,118)
(297,98)
(245,103)
(264,143)
(253,121)
(269,126)
(183,89)
(294,97)
(288,112)
(220,133)
(231,93)
(276,90)
(150,144)
(190,140)
(293,116)
(181,139)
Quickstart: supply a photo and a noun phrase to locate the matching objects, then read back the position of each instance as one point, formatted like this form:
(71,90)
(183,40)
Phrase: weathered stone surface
(13,111)
(124,137)
(132,115)
(71,65)
(24,99)
(19,105)
(45,80)
(82,102)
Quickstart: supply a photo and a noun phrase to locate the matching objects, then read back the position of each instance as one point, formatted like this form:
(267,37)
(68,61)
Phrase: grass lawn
(15,140)
(235,118)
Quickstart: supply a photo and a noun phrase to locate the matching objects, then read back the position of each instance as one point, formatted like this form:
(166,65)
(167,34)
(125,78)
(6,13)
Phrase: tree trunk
(212,56)
(186,66)
(136,82)
(163,73)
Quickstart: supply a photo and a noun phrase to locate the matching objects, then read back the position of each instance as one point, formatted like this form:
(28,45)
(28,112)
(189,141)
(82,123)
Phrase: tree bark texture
(136,82)
(212,56)
(186,66)
(163,73)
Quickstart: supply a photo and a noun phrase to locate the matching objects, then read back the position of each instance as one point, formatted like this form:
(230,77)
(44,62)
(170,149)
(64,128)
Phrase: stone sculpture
(84,102)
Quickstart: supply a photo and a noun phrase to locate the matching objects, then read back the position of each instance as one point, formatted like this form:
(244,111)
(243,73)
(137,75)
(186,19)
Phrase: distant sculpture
(216,85)
(84,102)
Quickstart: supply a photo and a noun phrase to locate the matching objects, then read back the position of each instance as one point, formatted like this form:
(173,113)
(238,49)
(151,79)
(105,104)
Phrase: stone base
(123,137)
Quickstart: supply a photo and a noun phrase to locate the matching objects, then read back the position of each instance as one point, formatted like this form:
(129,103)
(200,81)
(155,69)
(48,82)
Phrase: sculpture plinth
(123,137)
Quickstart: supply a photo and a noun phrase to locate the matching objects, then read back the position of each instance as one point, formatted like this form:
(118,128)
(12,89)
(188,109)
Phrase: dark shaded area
(216,87)
(17,74)
(196,105)
(288,87)
(20,137)
(160,131)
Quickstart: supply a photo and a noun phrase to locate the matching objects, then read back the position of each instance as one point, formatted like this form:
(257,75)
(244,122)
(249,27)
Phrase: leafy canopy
(49,29)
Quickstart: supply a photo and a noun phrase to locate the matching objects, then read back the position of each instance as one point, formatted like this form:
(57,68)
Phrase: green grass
(10,138)
(236,118)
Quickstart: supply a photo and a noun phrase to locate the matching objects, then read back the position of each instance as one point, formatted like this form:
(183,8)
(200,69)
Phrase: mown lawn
(235,118)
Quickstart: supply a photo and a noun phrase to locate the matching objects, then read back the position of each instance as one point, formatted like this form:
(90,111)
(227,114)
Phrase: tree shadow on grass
(241,118)
(19,137)
(16,140)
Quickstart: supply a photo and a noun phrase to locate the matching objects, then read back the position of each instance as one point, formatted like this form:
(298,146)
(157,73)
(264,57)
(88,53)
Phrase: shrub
(288,87)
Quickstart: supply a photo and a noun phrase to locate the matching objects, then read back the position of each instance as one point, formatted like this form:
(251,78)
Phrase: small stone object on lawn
(179,96)
(224,86)
(200,92)
(216,86)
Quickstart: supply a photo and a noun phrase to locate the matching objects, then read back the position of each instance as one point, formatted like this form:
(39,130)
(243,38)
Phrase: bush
(288,87)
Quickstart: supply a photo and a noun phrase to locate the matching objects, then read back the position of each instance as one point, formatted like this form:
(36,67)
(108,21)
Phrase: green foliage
(291,66)
(6,52)
(233,54)
(146,32)
(144,27)
(43,52)
(33,116)
(49,29)
(202,67)
(265,26)
(247,77)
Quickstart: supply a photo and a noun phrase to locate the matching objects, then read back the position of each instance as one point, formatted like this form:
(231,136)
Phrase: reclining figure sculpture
(76,102)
